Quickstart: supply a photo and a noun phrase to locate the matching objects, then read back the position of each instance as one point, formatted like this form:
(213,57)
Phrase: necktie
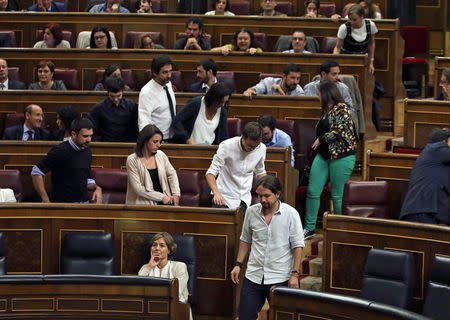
(30,135)
(172,113)
(2,86)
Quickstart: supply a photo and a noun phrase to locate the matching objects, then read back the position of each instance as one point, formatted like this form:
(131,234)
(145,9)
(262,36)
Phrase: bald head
(3,70)
(33,116)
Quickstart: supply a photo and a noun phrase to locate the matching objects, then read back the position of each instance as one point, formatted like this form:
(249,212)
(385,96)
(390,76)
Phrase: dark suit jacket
(429,185)
(197,86)
(16,133)
(54,7)
(5,40)
(16,85)
(183,124)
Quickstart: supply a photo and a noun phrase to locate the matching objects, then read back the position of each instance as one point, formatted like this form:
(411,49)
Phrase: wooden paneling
(354,236)
(421,117)
(433,13)
(216,231)
(394,168)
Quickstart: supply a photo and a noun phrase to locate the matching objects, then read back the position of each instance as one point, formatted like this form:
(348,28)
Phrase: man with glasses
(268,9)
(445,85)
(235,163)
(298,43)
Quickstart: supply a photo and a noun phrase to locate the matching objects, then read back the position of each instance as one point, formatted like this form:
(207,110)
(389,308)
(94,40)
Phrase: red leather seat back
(366,199)
(113,183)
(235,127)
(127,76)
(11,179)
(261,39)
(285,7)
(240,7)
(69,77)
(132,35)
(13,73)
(327,9)
(328,44)
(189,187)
(227,77)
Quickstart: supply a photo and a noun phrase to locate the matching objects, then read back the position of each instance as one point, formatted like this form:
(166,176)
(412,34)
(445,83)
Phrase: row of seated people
(52,36)
(312,9)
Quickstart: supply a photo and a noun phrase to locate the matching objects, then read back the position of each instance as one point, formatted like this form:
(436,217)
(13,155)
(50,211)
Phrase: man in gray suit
(5,83)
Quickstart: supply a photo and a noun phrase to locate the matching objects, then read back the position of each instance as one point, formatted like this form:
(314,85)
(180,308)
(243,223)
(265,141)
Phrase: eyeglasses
(442,83)
(299,39)
(99,37)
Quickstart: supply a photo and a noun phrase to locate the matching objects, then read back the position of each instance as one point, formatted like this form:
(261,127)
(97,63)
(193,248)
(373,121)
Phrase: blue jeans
(252,299)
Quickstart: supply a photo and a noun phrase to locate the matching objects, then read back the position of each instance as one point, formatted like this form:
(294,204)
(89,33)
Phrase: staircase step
(311,283)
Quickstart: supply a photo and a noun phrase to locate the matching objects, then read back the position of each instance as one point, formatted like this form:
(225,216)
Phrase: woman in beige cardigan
(151,177)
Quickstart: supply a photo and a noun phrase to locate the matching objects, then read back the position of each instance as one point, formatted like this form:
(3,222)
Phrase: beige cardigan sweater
(140,186)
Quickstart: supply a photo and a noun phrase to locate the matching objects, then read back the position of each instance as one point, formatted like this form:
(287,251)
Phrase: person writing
(151,177)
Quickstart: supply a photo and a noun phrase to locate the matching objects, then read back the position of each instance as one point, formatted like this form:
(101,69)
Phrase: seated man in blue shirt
(273,137)
(115,117)
(48,6)
(31,128)
(111,6)
(287,85)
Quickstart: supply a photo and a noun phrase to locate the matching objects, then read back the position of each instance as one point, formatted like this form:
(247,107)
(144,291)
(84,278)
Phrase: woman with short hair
(53,38)
(45,70)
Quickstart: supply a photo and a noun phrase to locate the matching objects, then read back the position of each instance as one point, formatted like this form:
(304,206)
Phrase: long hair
(105,31)
(369,4)
(329,95)
(227,5)
(253,43)
(109,70)
(146,134)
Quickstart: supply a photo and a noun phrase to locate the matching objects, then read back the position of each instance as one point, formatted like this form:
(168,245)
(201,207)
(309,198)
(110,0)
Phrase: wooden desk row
(389,44)
(421,117)
(347,241)
(33,235)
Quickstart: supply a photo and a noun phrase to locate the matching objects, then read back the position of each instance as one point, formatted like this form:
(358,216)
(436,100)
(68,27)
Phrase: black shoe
(308,234)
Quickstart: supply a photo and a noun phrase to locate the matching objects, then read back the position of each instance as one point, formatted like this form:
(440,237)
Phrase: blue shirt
(100,8)
(281,139)
(25,133)
(265,87)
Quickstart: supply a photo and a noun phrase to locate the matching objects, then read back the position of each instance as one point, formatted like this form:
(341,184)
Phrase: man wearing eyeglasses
(298,43)
(268,9)
(445,85)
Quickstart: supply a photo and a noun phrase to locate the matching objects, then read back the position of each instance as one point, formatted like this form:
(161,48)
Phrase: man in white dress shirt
(236,161)
(157,103)
(273,231)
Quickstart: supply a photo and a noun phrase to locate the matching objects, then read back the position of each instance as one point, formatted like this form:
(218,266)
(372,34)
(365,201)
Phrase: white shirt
(203,132)
(357,34)
(213,13)
(235,168)
(271,254)
(154,107)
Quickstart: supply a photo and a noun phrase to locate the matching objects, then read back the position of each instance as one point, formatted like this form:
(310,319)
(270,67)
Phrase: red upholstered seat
(240,7)
(235,127)
(156,6)
(189,187)
(226,76)
(12,36)
(261,39)
(406,150)
(285,7)
(132,35)
(69,77)
(328,44)
(286,126)
(176,79)
(13,73)
(327,9)
(11,179)
(127,76)
(366,199)
(266,75)
(13,119)
(113,183)
(66,35)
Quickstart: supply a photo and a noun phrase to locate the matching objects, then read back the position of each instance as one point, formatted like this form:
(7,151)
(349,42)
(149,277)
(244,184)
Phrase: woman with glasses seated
(100,39)
(203,120)
(45,70)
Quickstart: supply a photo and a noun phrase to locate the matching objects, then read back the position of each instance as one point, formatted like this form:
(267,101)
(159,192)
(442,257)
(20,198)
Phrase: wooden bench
(394,168)
(347,241)
(90,297)
(33,235)
(421,117)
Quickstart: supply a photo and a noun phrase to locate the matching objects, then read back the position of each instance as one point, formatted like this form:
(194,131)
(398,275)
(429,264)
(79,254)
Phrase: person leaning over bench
(70,164)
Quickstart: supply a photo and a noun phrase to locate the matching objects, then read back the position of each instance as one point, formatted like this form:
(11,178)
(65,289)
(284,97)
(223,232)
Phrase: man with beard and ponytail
(287,85)
(273,235)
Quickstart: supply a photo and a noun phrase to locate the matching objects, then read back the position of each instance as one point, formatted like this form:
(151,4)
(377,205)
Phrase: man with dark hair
(428,197)
(31,128)
(236,161)
(444,83)
(273,231)
(329,70)
(273,137)
(203,120)
(194,39)
(5,83)
(48,6)
(287,85)
(206,74)
(64,117)
(298,43)
(268,9)
(157,103)
(111,6)
(70,164)
(115,117)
